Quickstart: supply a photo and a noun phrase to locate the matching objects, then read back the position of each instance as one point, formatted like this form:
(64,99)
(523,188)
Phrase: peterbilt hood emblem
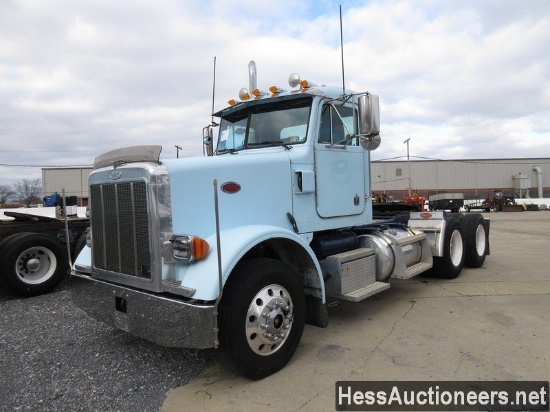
(115,174)
(231,187)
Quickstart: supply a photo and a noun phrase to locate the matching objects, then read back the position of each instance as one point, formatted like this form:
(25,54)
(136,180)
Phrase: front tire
(261,318)
(32,263)
(451,263)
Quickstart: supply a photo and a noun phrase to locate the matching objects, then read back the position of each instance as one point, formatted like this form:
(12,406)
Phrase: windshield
(282,123)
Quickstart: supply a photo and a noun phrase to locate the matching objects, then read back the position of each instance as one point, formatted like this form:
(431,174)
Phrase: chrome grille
(120,228)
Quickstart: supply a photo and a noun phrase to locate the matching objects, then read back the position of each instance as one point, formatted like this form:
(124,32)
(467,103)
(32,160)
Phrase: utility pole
(178,148)
(408,165)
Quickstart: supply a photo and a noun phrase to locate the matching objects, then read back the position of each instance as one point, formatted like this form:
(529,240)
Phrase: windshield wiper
(272,143)
(345,141)
(232,151)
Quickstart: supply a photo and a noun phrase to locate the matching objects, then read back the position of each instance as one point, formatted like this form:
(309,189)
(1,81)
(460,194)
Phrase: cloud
(461,79)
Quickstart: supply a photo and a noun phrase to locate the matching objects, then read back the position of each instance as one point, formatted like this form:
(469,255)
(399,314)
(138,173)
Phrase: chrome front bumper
(159,319)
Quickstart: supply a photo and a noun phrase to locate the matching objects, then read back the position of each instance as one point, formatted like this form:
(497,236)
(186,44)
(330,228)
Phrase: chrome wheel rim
(269,320)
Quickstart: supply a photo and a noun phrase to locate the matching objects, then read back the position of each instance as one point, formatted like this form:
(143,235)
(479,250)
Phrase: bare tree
(6,193)
(28,191)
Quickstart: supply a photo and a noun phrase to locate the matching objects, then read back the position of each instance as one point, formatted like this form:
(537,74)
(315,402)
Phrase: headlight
(189,248)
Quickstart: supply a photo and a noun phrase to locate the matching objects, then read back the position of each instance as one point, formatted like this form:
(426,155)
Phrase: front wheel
(262,317)
(451,263)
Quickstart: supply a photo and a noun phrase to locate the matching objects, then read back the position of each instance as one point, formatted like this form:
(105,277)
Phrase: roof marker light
(294,81)
(275,90)
(231,102)
(243,94)
(258,93)
(306,85)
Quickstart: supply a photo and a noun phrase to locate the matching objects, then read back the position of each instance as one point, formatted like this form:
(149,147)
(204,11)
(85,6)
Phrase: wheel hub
(269,319)
(33,264)
(274,316)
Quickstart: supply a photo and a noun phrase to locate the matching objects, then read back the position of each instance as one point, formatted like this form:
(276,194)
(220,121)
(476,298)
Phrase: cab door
(339,165)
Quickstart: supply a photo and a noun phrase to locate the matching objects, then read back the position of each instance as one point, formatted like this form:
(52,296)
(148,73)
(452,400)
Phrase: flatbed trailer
(447,201)
(485,206)
(34,257)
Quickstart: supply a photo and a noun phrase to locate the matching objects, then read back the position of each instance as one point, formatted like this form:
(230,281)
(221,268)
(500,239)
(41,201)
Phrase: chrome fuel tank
(389,242)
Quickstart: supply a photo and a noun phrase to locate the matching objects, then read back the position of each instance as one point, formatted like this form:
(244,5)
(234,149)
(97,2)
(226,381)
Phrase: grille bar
(120,219)
(118,228)
(104,243)
(134,227)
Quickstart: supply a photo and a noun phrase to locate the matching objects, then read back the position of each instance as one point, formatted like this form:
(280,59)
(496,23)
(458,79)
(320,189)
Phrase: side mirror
(370,142)
(369,115)
(208,141)
(369,121)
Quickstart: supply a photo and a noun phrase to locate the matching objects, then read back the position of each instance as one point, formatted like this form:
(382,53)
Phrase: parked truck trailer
(447,201)
(240,249)
(34,257)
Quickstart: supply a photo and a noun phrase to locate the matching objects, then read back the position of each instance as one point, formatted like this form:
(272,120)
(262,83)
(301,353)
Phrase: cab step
(364,292)
(417,269)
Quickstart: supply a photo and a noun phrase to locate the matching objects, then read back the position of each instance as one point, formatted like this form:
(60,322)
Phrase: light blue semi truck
(238,249)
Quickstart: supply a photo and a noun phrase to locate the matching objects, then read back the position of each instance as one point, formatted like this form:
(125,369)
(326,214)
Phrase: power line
(43,166)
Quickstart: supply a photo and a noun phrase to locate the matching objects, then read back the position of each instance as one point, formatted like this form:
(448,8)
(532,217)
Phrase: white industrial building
(521,178)
(72,180)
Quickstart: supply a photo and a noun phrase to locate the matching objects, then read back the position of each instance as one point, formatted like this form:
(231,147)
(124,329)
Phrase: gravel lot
(53,357)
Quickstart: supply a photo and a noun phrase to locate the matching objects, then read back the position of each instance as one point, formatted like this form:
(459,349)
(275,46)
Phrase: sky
(460,79)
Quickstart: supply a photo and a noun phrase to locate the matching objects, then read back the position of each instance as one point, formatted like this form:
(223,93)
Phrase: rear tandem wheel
(476,236)
(451,263)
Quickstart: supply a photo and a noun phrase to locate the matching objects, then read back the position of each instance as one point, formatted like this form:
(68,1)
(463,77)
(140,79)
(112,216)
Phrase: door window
(337,126)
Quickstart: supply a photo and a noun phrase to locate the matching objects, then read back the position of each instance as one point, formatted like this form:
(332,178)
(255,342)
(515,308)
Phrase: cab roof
(329,92)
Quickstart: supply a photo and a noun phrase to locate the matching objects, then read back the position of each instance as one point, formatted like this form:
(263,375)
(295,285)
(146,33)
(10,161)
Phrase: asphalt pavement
(489,324)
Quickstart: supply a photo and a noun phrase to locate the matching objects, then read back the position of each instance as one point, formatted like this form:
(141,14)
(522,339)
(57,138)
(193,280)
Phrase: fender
(202,275)
(83,262)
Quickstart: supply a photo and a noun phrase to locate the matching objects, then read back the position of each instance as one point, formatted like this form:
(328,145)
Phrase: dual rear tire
(465,243)
(476,233)
(451,263)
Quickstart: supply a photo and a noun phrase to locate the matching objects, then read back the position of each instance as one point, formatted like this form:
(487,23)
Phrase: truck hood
(253,189)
